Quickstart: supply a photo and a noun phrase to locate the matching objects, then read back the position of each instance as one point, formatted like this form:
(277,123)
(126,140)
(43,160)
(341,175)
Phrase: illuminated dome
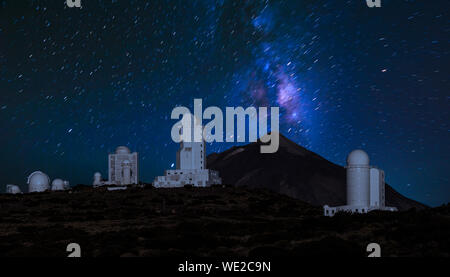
(97,179)
(123,150)
(38,182)
(358,157)
(58,184)
(13,189)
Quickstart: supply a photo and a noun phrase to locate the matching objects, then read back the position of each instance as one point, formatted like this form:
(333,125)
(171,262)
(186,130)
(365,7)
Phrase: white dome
(358,157)
(58,184)
(123,150)
(13,189)
(97,179)
(38,182)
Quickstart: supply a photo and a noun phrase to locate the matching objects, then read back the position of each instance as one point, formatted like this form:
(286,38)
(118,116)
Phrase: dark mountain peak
(294,171)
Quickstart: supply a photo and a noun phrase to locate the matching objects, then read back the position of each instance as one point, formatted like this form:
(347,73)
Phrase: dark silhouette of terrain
(293,171)
(207,222)
(271,209)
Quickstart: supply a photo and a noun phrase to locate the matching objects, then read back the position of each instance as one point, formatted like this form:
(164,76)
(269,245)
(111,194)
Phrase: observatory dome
(358,157)
(13,189)
(58,184)
(38,182)
(123,150)
(97,179)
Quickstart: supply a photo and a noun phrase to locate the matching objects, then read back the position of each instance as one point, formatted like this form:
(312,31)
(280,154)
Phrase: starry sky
(77,83)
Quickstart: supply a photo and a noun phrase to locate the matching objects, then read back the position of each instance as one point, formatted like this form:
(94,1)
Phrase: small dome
(98,175)
(38,182)
(58,184)
(358,157)
(13,189)
(123,150)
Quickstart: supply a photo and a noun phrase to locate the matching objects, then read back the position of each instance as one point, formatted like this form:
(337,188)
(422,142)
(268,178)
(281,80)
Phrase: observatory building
(98,181)
(58,184)
(38,182)
(123,169)
(13,189)
(190,167)
(365,187)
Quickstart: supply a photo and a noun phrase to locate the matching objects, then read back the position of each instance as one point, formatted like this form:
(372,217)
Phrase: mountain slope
(293,171)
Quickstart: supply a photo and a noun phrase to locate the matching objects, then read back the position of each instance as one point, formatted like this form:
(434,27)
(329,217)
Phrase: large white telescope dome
(358,157)
(358,178)
(38,182)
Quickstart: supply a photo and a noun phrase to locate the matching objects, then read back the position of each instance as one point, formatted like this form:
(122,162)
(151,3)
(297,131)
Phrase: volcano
(293,171)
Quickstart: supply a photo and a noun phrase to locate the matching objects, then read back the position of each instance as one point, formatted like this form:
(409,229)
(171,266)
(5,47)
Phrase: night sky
(77,83)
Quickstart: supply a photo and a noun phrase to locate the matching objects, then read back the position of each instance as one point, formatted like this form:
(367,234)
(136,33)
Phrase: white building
(190,167)
(365,187)
(123,169)
(377,188)
(38,182)
(13,189)
(98,181)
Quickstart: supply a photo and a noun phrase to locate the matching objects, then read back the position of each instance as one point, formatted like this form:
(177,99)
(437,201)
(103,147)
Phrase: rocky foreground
(208,222)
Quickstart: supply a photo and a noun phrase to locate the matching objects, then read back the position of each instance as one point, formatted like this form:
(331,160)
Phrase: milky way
(76,83)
